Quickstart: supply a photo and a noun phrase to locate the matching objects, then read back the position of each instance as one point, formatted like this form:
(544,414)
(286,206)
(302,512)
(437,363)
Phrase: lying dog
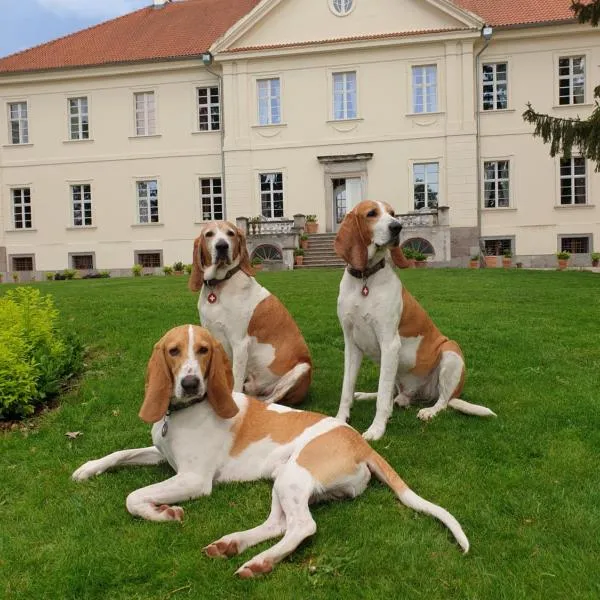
(381,319)
(270,358)
(209,435)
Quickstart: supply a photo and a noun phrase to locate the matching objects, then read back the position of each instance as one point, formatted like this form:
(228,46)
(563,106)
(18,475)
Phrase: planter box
(491,261)
(563,263)
(311,227)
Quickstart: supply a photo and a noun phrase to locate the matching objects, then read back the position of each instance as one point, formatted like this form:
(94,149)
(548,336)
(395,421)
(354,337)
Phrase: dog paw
(375,432)
(169,513)
(222,549)
(426,414)
(87,470)
(254,568)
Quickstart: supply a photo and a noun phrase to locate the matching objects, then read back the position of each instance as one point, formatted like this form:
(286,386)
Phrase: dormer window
(341,7)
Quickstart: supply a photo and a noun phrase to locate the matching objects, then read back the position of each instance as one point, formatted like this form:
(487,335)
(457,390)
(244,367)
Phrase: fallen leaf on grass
(73,434)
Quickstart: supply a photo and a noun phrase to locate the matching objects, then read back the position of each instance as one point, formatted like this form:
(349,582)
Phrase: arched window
(419,245)
(267,252)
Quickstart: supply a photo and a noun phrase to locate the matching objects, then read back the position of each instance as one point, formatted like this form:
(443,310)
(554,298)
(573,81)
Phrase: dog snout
(190,384)
(221,247)
(395,228)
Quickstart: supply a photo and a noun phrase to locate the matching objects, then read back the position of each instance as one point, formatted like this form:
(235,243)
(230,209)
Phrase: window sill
(205,131)
(341,121)
(84,141)
(77,227)
(495,111)
(268,126)
(148,225)
(28,145)
(499,209)
(23,230)
(437,113)
(584,105)
(573,206)
(145,137)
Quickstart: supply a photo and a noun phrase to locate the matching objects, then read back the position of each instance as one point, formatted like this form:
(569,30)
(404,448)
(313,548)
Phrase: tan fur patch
(259,423)
(355,235)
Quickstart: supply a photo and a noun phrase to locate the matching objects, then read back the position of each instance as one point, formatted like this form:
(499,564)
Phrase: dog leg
(239,363)
(365,396)
(451,370)
(352,358)
(138,456)
(152,502)
(236,543)
(386,388)
(294,487)
(287,382)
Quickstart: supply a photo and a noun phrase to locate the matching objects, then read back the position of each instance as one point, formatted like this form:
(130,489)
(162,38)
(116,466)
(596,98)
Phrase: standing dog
(270,358)
(209,435)
(381,319)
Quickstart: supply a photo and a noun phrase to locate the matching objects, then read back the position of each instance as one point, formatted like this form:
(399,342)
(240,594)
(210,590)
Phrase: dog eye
(230,233)
(174,351)
(392,214)
(202,350)
(210,233)
(372,213)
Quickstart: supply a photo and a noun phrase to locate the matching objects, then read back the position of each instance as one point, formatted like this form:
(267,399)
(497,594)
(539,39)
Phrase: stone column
(242,223)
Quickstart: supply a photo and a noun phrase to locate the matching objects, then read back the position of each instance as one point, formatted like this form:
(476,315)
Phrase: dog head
(221,246)
(188,363)
(367,229)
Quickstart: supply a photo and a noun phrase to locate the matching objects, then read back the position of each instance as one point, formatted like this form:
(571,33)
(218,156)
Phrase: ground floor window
(22,263)
(426,184)
(211,195)
(579,244)
(271,195)
(419,245)
(82,262)
(498,246)
(267,252)
(149,259)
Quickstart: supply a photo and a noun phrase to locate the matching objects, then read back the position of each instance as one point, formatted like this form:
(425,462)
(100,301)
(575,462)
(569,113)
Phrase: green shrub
(178,267)
(167,270)
(137,270)
(36,357)
(69,273)
(188,269)
(50,276)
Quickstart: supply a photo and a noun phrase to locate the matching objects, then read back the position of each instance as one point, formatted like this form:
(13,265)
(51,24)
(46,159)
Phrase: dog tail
(386,474)
(470,409)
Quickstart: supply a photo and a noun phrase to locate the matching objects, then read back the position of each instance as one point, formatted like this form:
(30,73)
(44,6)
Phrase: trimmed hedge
(36,356)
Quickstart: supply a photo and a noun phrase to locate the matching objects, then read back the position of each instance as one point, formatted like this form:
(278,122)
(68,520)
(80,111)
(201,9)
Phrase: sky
(27,23)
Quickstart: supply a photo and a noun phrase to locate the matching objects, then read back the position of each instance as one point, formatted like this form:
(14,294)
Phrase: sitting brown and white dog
(381,319)
(270,358)
(210,434)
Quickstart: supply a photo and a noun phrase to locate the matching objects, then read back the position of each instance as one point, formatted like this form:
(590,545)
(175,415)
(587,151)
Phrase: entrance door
(347,193)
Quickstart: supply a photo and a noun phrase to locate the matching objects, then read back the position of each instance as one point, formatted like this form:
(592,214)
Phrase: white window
(209,109)
(147,201)
(211,198)
(269,101)
(21,198)
(424,84)
(18,123)
(571,80)
(426,182)
(573,180)
(79,124)
(344,96)
(145,113)
(271,195)
(496,178)
(494,86)
(81,199)
(341,7)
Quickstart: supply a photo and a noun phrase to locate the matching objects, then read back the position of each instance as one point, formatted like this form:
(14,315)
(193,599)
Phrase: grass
(524,486)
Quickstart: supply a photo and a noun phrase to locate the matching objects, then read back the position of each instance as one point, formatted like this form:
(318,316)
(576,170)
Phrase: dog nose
(221,246)
(395,227)
(190,383)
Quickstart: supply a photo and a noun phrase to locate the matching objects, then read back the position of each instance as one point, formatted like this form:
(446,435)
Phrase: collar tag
(365,290)
(212,298)
(165,426)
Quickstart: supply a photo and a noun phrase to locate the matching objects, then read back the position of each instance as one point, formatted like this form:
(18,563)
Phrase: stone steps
(320,252)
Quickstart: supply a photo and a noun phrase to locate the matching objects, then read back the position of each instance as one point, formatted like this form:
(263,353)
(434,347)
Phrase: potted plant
(507,259)
(311,226)
(137,270)
(474,261)
(178,267)
(257,263)
(15,277)
(298,256)
(304,242)
(69,274)
(595,259)
(409,255)
(49,276)
(420,260)
(168,270)
(491,260)
(563,259)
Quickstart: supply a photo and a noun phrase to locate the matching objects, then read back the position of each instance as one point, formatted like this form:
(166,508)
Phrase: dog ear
(351,241)
(197,275)
(399,258)
(159,387)
(245,264)
(219,383)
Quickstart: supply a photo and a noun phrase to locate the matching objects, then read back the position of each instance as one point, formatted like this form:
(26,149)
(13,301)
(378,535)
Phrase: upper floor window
(269,101)
(209,109)
(147,201)
(571,80)
(81,198)
(344,96)
(426,183)
(573,180)
(21,198)
(496,184)
(271,195)
(211,198)
(79,124)
(18,122)
(424,84)
(341,7)
(145,113)
(494,81)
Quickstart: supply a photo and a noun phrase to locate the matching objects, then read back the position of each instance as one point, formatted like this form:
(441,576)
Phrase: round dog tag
(212,298)
(365,291)
(165,428)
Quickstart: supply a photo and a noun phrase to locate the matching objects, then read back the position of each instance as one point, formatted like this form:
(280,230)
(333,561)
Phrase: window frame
(146,114)
(496,182)
(138,253)
(569,236)
(345,93)
(138,220)
(269,100)
(424,86)
(11,263)
(570,78)
(500,238)
(573,176)
(74,255)
(23,131)
(72,201)
(211,196)
(209,106)
(413,183)
(13,206)
(494,83)
(83,118)
(271,192)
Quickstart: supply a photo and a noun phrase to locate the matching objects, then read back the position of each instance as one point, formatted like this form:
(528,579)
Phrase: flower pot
(491,261)
(420,264)
(304,244)
(563,263)
(311,227)
(519,265)
(411,263)
(474,264)
(258,267)
(298,260)
(507,263)
(178,272)
(595,263)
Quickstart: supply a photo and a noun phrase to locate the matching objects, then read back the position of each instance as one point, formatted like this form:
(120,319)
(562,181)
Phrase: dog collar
(364,275)
(179,406)
(211,283)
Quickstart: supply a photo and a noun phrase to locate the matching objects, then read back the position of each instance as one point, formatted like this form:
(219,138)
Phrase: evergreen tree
(564,134)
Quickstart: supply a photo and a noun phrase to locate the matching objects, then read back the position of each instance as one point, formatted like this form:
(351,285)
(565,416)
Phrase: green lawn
(525,486)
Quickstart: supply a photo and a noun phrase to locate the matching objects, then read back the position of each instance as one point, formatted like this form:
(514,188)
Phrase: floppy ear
(350,242)
(219,383)
(197,275)
(245,264)
(159,387)
(399,258)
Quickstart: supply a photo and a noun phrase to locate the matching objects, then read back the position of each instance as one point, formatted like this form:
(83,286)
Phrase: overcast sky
(27,23)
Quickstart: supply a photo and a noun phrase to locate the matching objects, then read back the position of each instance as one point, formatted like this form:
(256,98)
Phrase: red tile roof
(175,30)
(188,28)
(518,12)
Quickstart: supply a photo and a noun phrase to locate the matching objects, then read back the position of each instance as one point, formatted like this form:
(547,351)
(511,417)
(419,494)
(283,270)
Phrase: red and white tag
(365,291)
(212,298)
